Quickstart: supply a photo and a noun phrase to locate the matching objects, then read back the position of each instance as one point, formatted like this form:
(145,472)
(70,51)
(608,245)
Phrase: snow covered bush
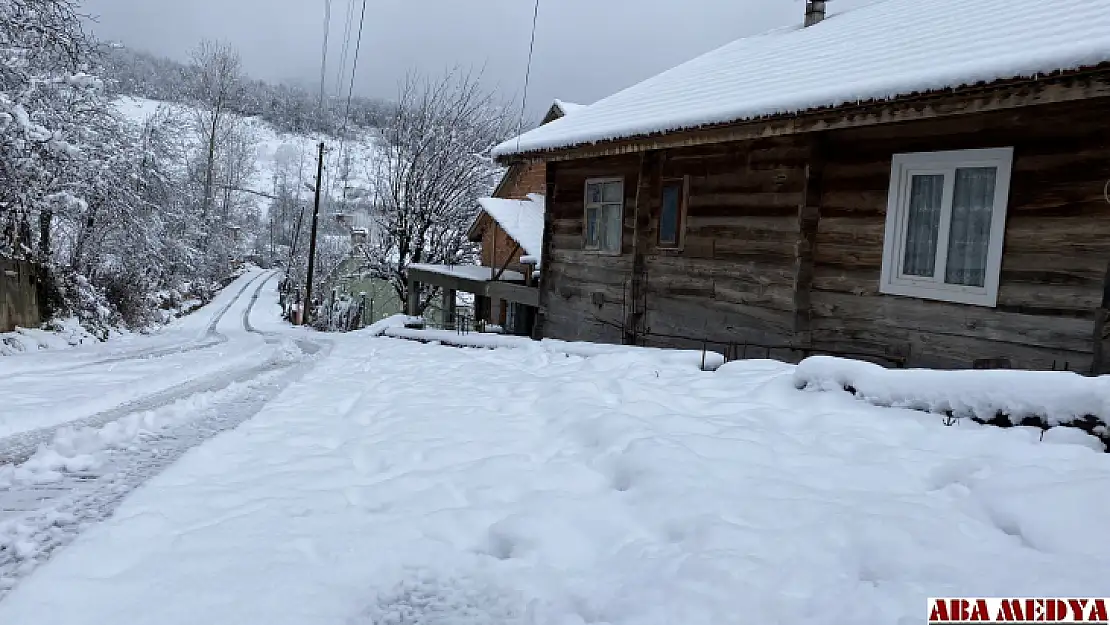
(1043,399)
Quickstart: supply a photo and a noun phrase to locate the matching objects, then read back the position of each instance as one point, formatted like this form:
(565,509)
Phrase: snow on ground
(401,482)
(64,334)
(57,481)
(51,387)
(1054,397)
(395,327)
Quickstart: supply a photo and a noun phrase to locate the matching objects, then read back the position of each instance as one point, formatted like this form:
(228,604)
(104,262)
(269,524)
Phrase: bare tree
(217,90)
(431,166)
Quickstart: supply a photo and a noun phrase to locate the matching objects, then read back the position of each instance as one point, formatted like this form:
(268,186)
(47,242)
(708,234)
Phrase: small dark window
(670,215)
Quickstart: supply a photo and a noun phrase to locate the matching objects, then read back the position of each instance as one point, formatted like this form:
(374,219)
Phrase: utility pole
(312,241)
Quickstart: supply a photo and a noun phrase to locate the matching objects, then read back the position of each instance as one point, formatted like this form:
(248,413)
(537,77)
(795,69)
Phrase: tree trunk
(210,166)
(45,218)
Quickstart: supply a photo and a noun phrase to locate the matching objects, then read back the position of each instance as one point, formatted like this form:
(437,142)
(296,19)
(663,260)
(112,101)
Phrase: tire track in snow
(17,448)
(211,338)
(36,520)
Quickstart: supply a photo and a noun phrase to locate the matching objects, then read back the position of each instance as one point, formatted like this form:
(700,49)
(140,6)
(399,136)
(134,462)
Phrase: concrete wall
(19,300)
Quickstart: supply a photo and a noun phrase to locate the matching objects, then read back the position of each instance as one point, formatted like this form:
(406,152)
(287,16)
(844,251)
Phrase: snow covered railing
(707,360)
(1008,398)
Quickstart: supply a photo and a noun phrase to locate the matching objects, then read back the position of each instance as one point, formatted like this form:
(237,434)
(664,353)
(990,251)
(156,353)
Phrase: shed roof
(878,52)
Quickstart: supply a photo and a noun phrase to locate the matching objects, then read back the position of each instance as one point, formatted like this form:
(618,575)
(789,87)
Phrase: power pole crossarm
(312,240)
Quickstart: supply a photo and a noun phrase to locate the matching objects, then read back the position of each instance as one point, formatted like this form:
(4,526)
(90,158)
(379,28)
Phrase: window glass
(923,225)
(970,233)
(612,228)
(612,192)
(592,227)
(669,214)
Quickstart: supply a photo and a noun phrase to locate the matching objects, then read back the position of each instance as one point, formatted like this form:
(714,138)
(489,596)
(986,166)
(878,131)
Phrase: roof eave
(1078,84)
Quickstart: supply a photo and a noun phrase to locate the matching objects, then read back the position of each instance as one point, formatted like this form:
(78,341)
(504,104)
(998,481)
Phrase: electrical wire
(347,27)
(527,74)
(324,54)
(346,47)
(351,90)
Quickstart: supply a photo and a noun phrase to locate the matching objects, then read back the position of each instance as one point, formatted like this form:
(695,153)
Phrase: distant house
(509,227)
(511,234)
(915,182)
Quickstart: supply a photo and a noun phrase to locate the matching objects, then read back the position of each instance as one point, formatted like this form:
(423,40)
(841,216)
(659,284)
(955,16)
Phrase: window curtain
(972,207)
(592,238)
(612,230)
(923,227)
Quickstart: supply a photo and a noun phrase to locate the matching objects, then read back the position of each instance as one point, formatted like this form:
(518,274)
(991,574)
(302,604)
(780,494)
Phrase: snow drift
(1043,399)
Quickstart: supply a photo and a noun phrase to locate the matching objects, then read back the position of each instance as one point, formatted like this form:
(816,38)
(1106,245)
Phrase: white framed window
(945,223)
(604,217)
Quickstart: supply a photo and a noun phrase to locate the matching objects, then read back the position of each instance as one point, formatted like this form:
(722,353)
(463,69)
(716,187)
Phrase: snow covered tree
(216,91)
(42,92)
(430,168)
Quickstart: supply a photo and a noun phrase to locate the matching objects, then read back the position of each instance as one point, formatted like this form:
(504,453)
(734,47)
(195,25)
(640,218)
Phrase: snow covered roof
(569,107)
(469,272)
(880,51)
(520,219)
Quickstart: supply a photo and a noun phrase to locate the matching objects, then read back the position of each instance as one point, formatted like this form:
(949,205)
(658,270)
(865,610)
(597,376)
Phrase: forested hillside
(287,108)
(131,214)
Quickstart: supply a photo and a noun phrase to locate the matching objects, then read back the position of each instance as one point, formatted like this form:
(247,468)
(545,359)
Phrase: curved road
(180,393)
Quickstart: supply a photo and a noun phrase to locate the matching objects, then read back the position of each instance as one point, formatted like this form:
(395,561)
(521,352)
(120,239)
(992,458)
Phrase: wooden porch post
(1099,339)
(649,185)
(413,305)
(449,303)
(809,216)
(545,268)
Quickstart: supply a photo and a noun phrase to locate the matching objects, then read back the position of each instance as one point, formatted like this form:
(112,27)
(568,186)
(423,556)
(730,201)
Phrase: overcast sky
(585,49)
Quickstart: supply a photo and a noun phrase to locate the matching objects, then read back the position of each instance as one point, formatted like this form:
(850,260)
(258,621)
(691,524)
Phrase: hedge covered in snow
(1007,398)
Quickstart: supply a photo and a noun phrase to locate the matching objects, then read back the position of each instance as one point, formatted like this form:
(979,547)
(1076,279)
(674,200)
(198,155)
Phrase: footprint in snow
(429,599)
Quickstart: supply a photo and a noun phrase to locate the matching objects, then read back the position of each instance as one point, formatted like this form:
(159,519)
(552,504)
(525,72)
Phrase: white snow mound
(1056,397)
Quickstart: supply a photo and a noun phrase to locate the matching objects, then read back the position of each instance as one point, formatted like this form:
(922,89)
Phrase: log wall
(784,245)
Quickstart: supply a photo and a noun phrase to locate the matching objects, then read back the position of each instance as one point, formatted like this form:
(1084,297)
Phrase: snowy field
(399,482)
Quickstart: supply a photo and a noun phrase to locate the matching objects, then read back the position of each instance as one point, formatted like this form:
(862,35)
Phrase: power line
(527,74)
(354,68)
(350,91)
(347,24)
(324,54)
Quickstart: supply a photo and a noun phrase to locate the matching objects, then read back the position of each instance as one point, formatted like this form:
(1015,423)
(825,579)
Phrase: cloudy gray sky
(585,49)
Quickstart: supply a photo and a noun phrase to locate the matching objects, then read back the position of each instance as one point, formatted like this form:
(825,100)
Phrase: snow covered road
(44,389)
(59,478)
(418,484)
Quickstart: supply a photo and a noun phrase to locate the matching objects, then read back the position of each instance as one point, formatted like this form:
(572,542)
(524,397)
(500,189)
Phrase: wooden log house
(886,184)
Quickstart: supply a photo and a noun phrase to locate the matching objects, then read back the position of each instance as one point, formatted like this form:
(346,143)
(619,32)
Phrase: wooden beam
(809,216)
(997,96)
(648,188)
(413,305)
(1099,338)
(546,255)
(449,305)
(508,259)
(528,296)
